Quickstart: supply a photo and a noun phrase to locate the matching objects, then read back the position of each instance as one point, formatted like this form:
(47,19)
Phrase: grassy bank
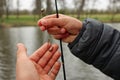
(30,20)
(101,17)
(22,20)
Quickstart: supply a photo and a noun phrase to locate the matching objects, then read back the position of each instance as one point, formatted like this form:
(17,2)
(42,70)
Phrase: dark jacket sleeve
(98,44)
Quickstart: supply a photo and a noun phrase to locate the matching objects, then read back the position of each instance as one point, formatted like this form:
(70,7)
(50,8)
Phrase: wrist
(78,36)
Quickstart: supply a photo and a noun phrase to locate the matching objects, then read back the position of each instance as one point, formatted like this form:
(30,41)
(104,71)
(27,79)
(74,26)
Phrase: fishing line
(62,56)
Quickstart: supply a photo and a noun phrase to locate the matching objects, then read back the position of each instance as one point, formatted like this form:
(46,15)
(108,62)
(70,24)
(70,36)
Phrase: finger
(50,64)
(51,22)
(69,39)
(48,55)
(22,51)
(61,36)
(42,28)
(65,38)
(56,30)
(55,70)
(47,17)
(39,69)
(40,52)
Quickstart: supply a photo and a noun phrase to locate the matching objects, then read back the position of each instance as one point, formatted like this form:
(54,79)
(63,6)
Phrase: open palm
(41,65)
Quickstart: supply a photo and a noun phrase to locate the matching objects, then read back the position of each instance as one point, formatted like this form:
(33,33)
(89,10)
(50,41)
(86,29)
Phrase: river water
(33,38)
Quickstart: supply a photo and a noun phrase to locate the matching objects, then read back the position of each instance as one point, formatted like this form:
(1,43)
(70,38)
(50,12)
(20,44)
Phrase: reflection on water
(33,38)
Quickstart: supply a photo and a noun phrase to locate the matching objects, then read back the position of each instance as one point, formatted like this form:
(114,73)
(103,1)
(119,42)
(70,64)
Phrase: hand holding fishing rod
(65,27)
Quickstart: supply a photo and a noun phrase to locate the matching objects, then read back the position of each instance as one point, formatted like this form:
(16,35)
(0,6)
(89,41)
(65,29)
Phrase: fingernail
(51,49)
(42,28)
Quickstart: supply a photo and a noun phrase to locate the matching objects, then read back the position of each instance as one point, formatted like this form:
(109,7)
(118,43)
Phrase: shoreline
(30,20)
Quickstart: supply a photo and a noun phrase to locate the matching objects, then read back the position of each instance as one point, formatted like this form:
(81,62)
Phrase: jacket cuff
(85,43)
(70,45)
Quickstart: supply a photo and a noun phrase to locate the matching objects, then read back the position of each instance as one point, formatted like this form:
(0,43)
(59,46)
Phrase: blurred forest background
(10,16)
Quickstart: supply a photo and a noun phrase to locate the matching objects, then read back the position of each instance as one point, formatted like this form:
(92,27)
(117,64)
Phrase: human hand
(41,65)
(64,27)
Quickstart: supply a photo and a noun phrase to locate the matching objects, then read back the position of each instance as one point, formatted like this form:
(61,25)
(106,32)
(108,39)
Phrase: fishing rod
(62,56)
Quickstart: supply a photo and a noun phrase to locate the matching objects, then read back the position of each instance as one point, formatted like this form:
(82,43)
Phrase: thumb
(22,51)
(51,22)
